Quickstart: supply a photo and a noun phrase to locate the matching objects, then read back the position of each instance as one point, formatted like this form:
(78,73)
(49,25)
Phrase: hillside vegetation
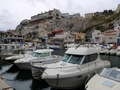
(104,22)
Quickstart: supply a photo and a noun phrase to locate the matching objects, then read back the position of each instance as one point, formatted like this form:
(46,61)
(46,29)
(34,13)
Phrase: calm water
(22,79)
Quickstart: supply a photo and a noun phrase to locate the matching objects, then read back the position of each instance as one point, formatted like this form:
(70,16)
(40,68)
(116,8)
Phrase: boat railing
(80,67)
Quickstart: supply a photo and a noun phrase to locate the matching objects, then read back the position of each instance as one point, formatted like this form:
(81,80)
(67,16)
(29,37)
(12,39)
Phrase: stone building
(89,15)
(118,9)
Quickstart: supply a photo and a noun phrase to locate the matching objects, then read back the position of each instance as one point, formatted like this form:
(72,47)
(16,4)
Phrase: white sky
(12,12)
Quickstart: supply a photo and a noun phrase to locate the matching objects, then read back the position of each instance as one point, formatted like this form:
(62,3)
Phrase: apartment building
(79,37)
(97,36)
(110,36)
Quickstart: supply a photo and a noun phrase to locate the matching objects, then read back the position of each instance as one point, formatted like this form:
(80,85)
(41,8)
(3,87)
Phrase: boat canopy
(43,50)
(83,50)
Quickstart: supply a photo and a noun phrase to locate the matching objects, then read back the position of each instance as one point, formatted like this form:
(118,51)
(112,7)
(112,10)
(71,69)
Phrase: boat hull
(37,69)
(70,82)
(37,72)
(67,83)
(23,66)
(26,65)
(75,79)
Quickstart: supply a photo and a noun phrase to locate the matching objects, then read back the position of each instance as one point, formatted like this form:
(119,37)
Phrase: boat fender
(88,78)
(95,73)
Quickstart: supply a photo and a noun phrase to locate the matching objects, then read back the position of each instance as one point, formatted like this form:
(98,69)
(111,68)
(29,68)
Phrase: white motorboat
(113,51)
(40,55)
(108,79)
(104,51)
(70,45)
(118,51)
(54,47)
(14,57)
(7,50)
(72,71)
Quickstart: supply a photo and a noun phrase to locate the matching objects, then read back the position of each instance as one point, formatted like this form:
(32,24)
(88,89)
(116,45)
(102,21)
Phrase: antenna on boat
(77,46)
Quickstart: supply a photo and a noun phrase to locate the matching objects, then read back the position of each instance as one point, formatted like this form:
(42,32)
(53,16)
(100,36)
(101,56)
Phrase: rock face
(66,24)
(22,24)
(118,9)
(19,27)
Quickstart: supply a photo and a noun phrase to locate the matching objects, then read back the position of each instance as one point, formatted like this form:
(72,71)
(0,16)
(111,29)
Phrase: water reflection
(13,69)
(39,85)
(114,60)
(23,75)
(80,88)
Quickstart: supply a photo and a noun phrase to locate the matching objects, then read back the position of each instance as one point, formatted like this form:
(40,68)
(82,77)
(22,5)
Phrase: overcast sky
(12,12)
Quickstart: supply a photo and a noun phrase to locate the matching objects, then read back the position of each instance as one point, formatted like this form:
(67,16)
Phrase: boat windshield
(66,57)
(74,59)
(36,54)
(110,74)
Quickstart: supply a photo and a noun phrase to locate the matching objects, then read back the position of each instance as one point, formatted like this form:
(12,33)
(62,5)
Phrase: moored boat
(72,71)
(14,57)
(7,50)
(39,55)
(107,79)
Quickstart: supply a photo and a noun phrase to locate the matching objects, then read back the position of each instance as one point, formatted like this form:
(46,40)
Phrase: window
(90,58)
(45,54)
(17,47)
(6,47)
(110,37)
(74,59)
(119,35)
(98,33)
(36,54)
(105,72)
(12,47)
(111,74)
(66,57)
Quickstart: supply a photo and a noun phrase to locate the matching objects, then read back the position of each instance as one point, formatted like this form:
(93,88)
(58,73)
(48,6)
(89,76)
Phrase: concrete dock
(4,86)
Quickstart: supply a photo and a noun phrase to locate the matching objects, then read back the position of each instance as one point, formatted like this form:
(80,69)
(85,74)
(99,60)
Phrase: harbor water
(22,79)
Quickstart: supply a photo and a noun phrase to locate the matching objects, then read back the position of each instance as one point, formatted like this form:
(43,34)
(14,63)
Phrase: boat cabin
(42,53)
(81,55)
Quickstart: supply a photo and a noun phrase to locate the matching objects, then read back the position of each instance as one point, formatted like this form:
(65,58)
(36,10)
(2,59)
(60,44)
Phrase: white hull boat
(108,79)
(37,70)
(7,50)
(14,57)
(118,53)
(39,56)
(75,67)
(113,51)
